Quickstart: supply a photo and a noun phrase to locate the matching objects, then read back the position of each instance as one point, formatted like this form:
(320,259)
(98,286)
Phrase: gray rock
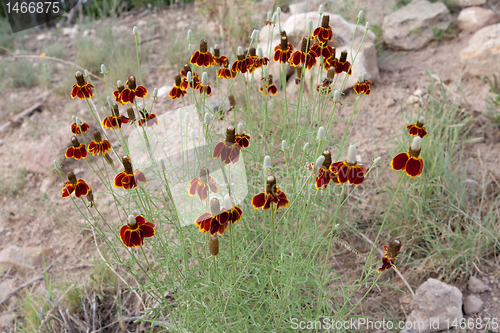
(472,304)
(477,286)
(435,304)
(474,18)
(483,52)
(27,258)
(467,3)
(410,27)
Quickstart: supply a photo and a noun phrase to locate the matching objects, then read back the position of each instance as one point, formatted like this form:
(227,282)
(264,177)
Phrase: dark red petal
(218,149)
(148,230)
(413,167)
(135,238)
(399,161)
(259,200)
(140,219)
(193,187)
(118,182)
(194,57)
(343,173)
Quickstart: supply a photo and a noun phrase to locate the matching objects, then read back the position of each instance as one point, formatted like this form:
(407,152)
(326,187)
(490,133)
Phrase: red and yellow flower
(117,92)
(349,170)
(195,79)
(77,150)
(79,186)
(226,73)
(323,49)
(219,60)
(283,52)
(325,86)
(417,129)
(76,130)
(242,139)
(324,174)
(272,194)
(204,86)
(390,254)
(82,89)
(214,221)
(242,64)
(268,87)
(202,57)
(305,56)
(201,185)
(115,120)
(410,162)
(362,86)
(132,91)
(99,146)
(149,120)
(323,33)
(133,233)
(228,150)
(129,177)
(342,65)
(177,91)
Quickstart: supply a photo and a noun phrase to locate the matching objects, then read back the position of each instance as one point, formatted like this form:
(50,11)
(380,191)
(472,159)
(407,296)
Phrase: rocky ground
(35,220)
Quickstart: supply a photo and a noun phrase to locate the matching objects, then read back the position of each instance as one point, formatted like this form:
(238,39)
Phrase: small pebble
(432,50)
(494,298)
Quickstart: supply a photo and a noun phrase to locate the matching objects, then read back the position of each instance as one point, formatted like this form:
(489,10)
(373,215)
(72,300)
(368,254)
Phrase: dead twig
(41,276)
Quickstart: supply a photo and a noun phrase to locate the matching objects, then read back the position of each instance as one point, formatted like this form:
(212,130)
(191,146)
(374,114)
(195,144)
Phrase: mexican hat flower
(324,174)
(252,57)
(284,50)
(202,57)
(242,63)
(228,150)
(76,130)
(214,221)
(391,252)
(200,185)
(79,186)
(82,89)
(272,194)
(304,56)
(115,120)
(117,92)
(226,73)
(410,162)
(99,146)
(204,86)
(267,86)
(325,86)
(417,129)
(177,91)
(194,79)
(149,120)
(129,177)
(342,65)
(363,85)
(324,32)
(132,91)
(133,233)
(234,212)
(77,150)
(348,170)
(323,49)
(260,60)
(242,139)
(219,60)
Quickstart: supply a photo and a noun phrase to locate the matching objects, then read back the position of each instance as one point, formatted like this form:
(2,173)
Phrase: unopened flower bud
(267,162)
(336,96)
(321,133)
(204,78)
(416,144)
(255,34)
(78,122)
(193,134)
(394,247)
(187,117)
(189,77)
(161,162)
(284,145)
(365,76)
(275,17)
(375,161)
(74,118)
(310,25)
(278,10)
(260,53)
(269,16)
(360,14)
(351,154)
(155,92)
(240,129)
(180,114)
(306,146)
(208,118)
(227,202)
(86,73)
(321,10)
(360,78)
(214,245)
(103,69)
(319,162)
(190,34)
(131,113)
(57,166)
(190,48)
(421,122)
(135,31)
(240,51)
(367,26)
(110,101)
(212,50)
(232,100)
